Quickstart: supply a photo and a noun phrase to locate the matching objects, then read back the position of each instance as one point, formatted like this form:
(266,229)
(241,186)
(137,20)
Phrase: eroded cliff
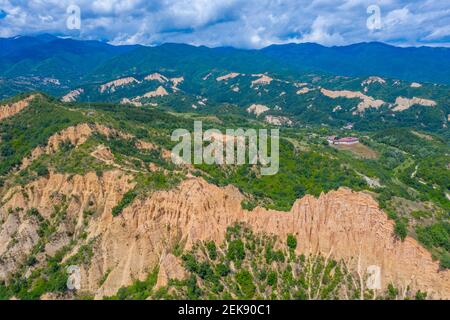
(345,224)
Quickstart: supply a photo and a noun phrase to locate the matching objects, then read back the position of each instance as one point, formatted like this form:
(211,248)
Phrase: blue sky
(238,23)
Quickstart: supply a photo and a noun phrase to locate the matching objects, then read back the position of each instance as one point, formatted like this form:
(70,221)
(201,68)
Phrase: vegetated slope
(48,56)
(90,195)
(294,94)
(362,103)
(423,64)
(365,59)
(257,266)
(341,224)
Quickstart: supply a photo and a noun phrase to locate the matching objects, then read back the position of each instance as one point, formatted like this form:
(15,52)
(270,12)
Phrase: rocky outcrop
(18,236)
(170,267)
(263,79)
(304,90)
(366,101)
(176,82)
(372,80)
(136,101)
(257,109)
(156,77)
(347,225)
(9,110)
(113,85)
(76,135)
(402,103)
(18,233)
(278,120)
(160,92)
(228,76)
(72,95)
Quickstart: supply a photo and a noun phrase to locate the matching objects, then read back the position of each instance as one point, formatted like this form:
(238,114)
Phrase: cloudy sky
(238,23)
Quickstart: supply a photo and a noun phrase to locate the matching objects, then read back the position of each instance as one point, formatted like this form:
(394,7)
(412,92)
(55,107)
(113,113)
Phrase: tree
(291,241)
(212,250)
(272,278)
(401,229)
(236,250)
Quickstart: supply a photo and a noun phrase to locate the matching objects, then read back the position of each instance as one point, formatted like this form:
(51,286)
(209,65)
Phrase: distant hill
(50,56)
(359,86)
(69,60)
(364,59)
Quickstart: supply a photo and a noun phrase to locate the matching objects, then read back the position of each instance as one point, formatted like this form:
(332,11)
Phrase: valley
(87,179)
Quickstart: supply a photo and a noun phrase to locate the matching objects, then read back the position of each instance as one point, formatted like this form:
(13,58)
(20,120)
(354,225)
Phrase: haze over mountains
(367,85)
(72,60)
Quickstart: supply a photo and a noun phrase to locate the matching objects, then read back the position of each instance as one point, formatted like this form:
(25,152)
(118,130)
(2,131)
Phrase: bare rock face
(169,268)
(72,95)
(347,225)
(18,233)
(113,85)
(76,136)
(228,76)
(366,101)
(342,223)
(257,109)
(17,239)
(11,109)
(402,103)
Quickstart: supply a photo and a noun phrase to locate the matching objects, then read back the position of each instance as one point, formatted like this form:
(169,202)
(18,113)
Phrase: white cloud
(241,23)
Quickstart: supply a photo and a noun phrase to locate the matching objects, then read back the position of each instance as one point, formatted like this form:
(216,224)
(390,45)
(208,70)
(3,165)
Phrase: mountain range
(88,185)
(367,85)
(49,56)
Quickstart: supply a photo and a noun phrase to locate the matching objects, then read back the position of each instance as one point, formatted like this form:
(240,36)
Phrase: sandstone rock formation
(366,101)
(257,109)
(263,79)
(11,109)
(402,103)
(113,85)
(372,80)
(75,135)
(72,95)
(157,77)
(160,92)
(304,90)
(278,120)
(228,76)
(348,225)
(176,82)
(18,234)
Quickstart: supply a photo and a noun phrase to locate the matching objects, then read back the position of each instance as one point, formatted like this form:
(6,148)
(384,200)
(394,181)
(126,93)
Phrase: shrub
(41,170)
(126,200)
(291,241)
(401,229)
(445,260)
(272,279)
(245,281)
(421,295)
(236,251)
(212,250)
(223,269)
(190,262)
